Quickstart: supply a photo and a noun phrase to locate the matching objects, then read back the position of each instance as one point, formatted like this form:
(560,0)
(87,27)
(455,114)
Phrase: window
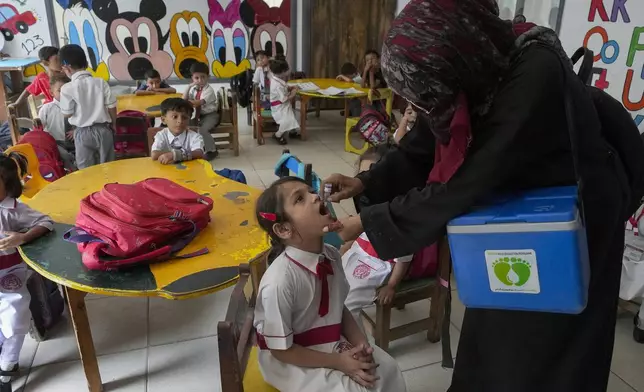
(6,13)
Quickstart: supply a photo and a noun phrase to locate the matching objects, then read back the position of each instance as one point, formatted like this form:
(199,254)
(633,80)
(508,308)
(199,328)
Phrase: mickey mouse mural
(134,39)
(272,26)
(230,40)
(81,29)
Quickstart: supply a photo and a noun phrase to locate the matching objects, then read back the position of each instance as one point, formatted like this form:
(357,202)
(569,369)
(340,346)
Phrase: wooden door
(343,30)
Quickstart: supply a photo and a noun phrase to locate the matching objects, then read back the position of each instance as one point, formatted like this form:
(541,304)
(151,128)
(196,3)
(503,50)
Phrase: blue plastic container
(524,252)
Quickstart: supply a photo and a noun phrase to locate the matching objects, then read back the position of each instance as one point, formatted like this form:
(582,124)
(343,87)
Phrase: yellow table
(233,237)
(305,97)
(148,104)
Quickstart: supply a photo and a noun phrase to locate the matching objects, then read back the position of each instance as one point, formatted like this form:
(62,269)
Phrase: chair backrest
(236,334)
(34,181)
(150,136)
(35,103)
(386,94)
(129,143)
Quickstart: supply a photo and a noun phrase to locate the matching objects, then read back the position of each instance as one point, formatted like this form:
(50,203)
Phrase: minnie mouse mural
(271,26)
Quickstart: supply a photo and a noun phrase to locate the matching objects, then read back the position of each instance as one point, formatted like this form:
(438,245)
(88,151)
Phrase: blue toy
(289,163)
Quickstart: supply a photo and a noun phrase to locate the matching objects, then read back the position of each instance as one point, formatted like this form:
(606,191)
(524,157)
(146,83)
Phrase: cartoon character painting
(134,39)
(229,41)
(272,26)
(188,41)
(81,29)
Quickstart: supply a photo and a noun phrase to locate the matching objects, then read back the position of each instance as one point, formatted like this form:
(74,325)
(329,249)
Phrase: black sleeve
(518,131)
(404,167)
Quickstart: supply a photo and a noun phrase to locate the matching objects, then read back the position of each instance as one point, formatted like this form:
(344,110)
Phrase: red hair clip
(268,216)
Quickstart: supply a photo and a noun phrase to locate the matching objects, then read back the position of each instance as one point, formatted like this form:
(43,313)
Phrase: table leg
(346,110)
(78,312)
(303,108)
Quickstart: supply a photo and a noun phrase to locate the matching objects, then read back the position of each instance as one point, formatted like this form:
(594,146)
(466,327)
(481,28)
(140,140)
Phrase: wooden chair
(150,136)
(226,134)
(436,289)
(34,181)
(141,138)
(261,117)
(238,362)
(387,95)
(34,104)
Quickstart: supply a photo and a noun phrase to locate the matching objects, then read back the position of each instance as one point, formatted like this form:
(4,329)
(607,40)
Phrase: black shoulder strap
(586,70)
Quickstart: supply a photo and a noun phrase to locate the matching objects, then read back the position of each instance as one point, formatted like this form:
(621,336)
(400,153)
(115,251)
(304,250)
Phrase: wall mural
(124,38)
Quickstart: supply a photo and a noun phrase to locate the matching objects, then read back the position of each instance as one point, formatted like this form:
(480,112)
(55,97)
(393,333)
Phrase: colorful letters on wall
(614,31)
(124,38)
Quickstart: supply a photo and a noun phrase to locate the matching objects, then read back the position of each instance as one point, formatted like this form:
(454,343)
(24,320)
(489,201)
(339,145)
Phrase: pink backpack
(424,264)
(138,223)
(133,127)
(51,164)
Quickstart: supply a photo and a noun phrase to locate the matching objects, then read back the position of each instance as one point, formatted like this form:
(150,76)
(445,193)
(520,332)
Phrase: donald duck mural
(230,39)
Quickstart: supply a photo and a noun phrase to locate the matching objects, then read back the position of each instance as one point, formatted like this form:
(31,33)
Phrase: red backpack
(133,127)
(51,164)
(138,223)
(374,124)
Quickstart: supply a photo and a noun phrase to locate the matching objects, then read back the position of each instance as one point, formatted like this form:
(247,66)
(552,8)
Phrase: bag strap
(586,69)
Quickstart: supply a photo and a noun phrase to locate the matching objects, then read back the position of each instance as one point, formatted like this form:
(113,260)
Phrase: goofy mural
(124,38)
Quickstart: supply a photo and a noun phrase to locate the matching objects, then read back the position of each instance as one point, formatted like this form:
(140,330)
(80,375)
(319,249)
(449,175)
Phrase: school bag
(374,125)
(242,86)
(232,174)
(135,127)
(46,305)
(49,159)
(124,225)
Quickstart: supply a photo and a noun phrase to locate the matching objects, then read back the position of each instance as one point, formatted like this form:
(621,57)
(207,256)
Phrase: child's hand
(69,135)
(196,103)
(166,159)
(11,240)
(386,295)
(359,371)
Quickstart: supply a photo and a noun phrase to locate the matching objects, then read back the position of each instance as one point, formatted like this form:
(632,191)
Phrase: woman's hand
(360,371)
(342,187)
(347,228)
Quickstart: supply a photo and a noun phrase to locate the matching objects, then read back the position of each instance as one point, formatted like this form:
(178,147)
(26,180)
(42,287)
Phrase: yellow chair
(385,94)
(34,181)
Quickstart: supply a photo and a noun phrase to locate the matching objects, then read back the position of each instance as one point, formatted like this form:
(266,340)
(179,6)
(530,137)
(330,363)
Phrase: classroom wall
(123,38)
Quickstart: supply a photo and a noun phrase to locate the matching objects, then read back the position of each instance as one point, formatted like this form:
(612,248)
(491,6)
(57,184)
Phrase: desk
(305,97)
(233,237)
(142,103)
(15,67)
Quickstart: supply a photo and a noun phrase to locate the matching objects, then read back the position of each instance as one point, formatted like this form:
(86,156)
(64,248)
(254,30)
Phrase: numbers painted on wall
(32,44)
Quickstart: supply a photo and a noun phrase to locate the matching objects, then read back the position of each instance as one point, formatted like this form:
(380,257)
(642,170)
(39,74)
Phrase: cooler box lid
(545,205)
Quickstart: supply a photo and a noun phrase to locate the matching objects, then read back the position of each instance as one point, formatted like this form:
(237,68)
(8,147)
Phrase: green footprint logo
(512,271)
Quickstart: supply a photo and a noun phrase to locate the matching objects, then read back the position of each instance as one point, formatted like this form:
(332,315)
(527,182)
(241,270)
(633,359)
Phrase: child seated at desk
(349,73)
(48,56)
(204,99)
(154,85)
(261,70)
(282,96)
(177,142)
(56,124)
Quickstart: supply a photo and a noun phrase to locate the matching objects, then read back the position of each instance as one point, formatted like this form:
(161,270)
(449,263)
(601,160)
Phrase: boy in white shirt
(90,106)
(177,142)
(55,123)
(204,99)
(261,69)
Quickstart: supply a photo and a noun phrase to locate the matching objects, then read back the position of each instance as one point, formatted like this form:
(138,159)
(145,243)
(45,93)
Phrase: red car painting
(13,23)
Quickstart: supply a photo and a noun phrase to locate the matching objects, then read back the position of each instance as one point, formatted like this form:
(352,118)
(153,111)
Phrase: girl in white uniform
(282,96)
(308,340)
(19,224)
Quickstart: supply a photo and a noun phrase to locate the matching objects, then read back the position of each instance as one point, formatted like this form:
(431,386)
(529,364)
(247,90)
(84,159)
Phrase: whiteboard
(616,36)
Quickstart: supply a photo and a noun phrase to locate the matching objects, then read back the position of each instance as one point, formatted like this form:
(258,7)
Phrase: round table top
(326,83)
(233,236)
(148,104)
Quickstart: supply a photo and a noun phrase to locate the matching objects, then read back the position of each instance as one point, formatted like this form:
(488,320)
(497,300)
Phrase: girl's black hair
(278,66)
(12,166)
(271,202)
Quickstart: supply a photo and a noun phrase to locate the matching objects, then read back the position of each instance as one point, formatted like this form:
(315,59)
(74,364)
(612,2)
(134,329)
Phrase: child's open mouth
(323,210)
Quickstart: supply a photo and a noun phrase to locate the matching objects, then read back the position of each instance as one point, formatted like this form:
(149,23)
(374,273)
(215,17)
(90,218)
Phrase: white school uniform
(207,96)
(290,310)
(365,273)
(87,100)
(14,295)
(259,77)
(281,107)
(188,140)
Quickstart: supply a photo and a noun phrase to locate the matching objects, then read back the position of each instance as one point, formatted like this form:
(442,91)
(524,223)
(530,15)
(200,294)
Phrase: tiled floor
(158,345)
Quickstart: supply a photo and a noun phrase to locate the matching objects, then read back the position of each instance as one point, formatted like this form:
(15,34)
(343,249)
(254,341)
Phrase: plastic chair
(387,95)
(34,181)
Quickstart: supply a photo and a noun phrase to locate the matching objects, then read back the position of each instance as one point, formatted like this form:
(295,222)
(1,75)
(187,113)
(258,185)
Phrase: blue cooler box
(525,252)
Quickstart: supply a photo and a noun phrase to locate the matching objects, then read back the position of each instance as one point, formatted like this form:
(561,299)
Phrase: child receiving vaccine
(177,142)
(19,225)
(308,339)
(282,96)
